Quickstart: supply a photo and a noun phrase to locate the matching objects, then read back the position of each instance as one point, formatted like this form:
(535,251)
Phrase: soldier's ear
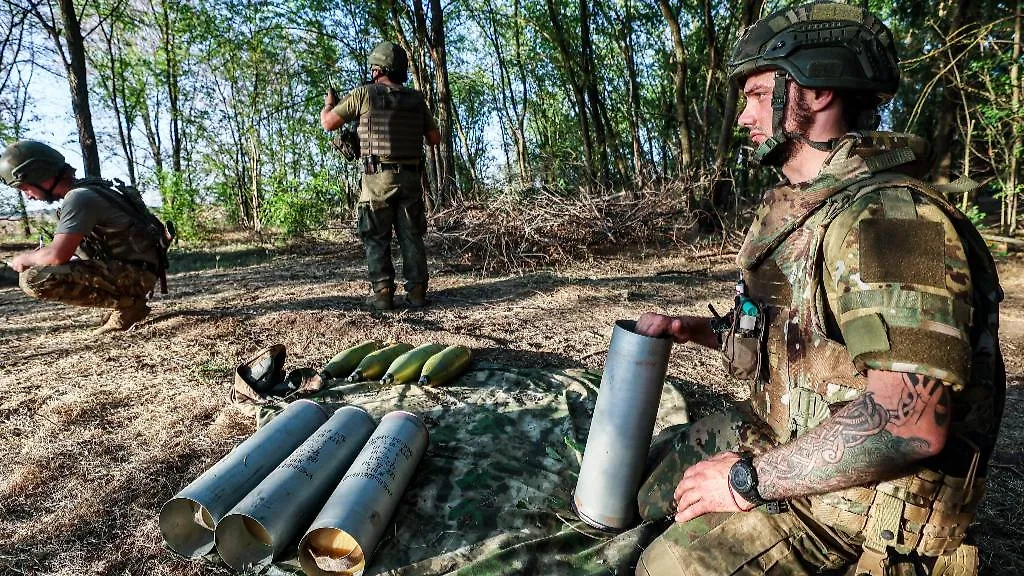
(821,98)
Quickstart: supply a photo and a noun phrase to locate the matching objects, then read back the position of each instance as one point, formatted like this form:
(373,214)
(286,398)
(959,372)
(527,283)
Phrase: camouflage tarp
(492,493)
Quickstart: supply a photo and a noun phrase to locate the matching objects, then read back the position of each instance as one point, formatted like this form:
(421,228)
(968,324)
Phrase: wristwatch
(743,479)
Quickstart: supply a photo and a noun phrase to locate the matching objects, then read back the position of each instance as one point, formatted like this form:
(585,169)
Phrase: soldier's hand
(682,329)
(705,488)
(331,98)
(18,263)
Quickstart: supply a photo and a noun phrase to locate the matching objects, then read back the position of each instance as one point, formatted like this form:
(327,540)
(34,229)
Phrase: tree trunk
(712,85)
(470,161)
(945,122)
(123,136)
(722,187)
(511,109)
(446,152)
(571,76)
(679,76)
(171,75)
(593,93)
(78,82)
(1011,196)
(150,125)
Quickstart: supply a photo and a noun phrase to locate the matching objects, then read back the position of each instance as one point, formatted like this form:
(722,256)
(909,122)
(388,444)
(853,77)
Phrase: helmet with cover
(391,59)
(30,162)
(820,45)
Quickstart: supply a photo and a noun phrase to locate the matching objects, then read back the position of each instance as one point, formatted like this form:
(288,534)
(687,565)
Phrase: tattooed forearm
(866,440)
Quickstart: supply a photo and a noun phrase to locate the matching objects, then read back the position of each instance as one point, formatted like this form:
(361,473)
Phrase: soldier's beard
(798,121)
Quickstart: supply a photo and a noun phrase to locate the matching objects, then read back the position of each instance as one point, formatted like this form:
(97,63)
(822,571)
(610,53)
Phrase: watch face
(740,477)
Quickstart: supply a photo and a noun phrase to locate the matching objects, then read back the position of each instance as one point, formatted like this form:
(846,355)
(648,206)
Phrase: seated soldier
(866,321)
(119,259)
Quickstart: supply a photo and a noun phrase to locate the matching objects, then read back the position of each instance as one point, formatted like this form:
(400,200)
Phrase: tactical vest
(393,128)
(143,244)
(809,375)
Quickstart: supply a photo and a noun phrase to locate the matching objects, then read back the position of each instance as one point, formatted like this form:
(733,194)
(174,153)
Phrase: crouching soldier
(121,247)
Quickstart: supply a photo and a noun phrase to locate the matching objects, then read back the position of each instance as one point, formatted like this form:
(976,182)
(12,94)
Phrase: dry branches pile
(515,234)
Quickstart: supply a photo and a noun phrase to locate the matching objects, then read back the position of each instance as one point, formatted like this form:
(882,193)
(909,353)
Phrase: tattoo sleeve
(867,440)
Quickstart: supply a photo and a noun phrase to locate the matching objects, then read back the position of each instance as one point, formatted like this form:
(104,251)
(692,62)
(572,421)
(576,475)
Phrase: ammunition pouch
(742,346)
(346,142)
(924,513)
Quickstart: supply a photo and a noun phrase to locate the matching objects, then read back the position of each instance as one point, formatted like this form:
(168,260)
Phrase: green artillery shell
(375,364)
(406,368)
(346,361)
(445,366)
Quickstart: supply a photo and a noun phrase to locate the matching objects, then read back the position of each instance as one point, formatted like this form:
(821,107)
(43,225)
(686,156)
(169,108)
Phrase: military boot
(121,319)
(383,298)
(416,295)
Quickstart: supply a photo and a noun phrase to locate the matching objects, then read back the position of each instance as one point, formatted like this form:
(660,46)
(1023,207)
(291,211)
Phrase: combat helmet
(30,162)
(391,59)
(818,45)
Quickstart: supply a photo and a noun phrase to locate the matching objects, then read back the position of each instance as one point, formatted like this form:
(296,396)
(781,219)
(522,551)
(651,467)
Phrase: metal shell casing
(621,430)
(258,528)
(188,520)
(344,535)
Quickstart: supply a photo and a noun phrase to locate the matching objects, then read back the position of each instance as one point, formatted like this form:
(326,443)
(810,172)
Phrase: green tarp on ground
(492,493)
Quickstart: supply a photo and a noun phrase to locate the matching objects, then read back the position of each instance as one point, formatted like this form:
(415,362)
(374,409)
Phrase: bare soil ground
(96,434)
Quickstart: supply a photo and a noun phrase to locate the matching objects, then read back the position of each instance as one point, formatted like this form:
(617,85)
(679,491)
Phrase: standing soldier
(122,246)
(393,122)
(866,319)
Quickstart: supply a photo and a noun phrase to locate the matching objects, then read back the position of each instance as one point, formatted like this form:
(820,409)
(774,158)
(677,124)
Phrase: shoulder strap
(109,191)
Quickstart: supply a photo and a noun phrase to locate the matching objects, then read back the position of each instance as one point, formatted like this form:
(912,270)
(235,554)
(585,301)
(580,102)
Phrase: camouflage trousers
(754,542)
(405,213)
(93,283)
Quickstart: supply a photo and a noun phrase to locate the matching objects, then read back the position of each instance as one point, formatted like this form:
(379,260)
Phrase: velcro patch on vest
(922,351)
(866,334)
(902,252)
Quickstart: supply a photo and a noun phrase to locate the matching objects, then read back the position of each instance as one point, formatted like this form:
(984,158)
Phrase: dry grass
(96,435)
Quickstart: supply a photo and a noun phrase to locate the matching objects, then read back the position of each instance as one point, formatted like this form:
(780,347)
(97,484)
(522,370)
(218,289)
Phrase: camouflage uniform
(117,264)
(839,300)
(95,283)
(392,123)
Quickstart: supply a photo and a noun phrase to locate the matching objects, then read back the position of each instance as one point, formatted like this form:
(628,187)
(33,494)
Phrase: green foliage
(975,215)
(226,94)
(180,206)
(297,208)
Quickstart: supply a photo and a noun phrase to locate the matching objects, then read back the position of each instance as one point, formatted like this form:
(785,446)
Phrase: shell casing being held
(346,361)
(406,368)
(621,431)
(445,366)
(375,364)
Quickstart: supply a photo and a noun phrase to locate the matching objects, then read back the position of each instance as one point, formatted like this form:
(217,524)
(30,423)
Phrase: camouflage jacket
(866,267)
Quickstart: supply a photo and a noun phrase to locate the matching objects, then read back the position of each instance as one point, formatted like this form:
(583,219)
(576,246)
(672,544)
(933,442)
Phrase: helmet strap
(48,192)
(768,149)
(825,146)
(766,153)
